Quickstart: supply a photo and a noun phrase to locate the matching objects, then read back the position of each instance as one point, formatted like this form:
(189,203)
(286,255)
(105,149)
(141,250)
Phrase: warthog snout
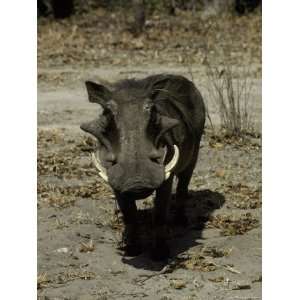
(129,177)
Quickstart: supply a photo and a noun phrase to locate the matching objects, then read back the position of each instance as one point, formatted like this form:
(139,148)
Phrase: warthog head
(135,154)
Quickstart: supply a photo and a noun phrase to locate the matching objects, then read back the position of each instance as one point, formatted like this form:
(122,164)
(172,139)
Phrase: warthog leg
(160,249)
(130,237)
(182,192)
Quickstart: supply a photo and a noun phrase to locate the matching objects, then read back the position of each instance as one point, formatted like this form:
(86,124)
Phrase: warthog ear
(94,127)
(98,93)
(160,85)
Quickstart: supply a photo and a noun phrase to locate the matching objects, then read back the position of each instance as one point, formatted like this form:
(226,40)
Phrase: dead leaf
(87,247)
(220,173)
(177,284)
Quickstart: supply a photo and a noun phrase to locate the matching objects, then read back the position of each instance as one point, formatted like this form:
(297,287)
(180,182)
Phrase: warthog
(149,132)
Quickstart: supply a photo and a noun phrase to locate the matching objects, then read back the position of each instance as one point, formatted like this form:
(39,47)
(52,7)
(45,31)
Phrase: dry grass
(231,225)
(42,280)
(243,196)
(60,158)
(100,37)
(232,96)
(87,247)
(202,260)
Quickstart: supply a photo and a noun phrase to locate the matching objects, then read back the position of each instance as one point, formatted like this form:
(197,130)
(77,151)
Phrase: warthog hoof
(132,250)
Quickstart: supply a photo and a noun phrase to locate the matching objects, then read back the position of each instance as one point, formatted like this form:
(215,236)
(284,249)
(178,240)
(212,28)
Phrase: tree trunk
(139,17)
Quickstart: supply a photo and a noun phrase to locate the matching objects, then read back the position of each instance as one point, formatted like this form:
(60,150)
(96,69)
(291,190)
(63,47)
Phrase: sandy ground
(217,257)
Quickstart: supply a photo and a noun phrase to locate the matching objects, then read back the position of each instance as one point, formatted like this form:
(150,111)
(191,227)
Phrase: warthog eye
(148,107)
(112,108)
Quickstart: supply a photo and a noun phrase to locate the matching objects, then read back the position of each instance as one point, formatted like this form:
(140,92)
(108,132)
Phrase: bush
(233,99)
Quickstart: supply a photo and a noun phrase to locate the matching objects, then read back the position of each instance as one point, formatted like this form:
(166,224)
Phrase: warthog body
(149,132)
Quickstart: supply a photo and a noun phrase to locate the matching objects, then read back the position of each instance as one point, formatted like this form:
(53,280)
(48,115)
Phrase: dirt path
(62,91)
(217,257)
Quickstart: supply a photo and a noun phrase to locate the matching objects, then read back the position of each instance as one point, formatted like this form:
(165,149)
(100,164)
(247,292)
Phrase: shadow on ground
(200,207)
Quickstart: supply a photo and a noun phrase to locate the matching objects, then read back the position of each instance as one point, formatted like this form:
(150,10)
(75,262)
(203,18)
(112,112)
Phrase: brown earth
(79,228)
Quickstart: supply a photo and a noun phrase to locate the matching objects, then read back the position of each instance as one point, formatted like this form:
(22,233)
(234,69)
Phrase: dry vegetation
(60,157)
(231,225)
(100,37)
(62,278)
(232,94)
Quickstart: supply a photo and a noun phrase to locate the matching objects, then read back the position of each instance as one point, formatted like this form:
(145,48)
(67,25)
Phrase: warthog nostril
(155,159)
(111,158)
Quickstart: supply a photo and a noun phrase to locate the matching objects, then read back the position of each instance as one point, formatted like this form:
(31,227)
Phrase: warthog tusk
(102,171)
(171,165)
